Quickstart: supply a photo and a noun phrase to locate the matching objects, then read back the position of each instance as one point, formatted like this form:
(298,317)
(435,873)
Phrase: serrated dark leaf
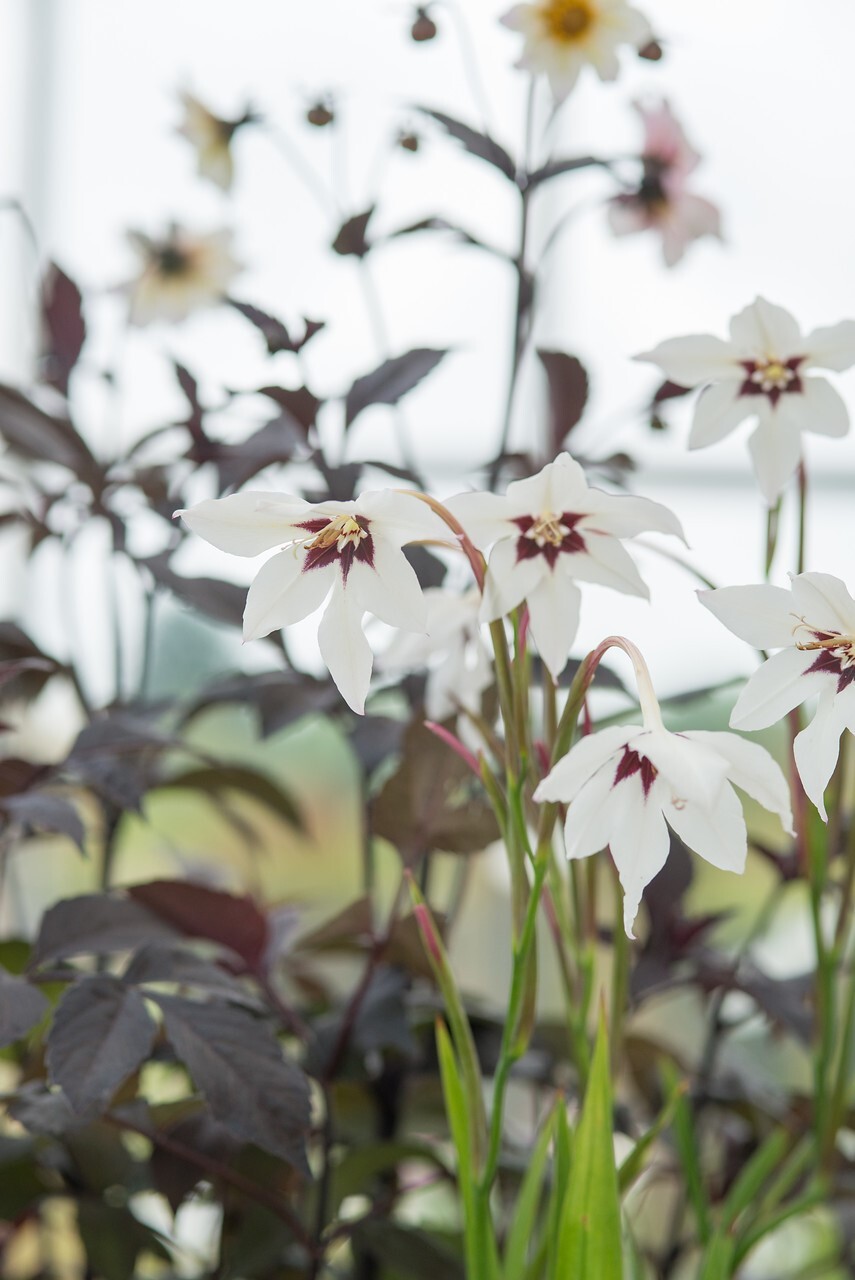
(21,1007)
(95,924)
(274,332)
(175,1177)
(568,394)
(101,1034)
(63,330)
(392,380)
(382,1022)
(350,240)
(112,756)
(271,445)
(194,422)
(176,964)
(432,801)
(568,165)
(40,811)
(201,912)
(299,402)
(280,697)
(477,144)
(32,433)
(236,1062)
(215,779)
(41,1111)
(341,481)
(222,601)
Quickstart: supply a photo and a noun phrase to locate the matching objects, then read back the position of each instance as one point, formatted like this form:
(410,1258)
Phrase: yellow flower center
(567,20)
(842,646)
(771,375)
(340,532)
(548,529)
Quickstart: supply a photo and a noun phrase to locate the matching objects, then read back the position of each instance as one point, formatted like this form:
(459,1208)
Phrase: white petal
(582,761)
(719,411)
(775,688)
(590,817)
(624,516)
(718,835)
(752,769)
(689,770)
(776,450)
(566,486)
(247,523)
(521,17)
(508,580)
(282,593)
(765,330)
(535,494)
(389,588)
(692,360)
(823,410)
(761,615)
(824,602)
(486,517)
(816,748)
(401,517)
(606,562)
(832,347)
(345,650)
(639,842)
(554,610)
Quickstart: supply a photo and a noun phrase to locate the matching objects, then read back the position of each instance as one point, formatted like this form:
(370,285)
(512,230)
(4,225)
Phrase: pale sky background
(88,109)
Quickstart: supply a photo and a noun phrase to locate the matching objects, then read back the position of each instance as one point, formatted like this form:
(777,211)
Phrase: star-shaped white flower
(347,551)
(211,136)
(563,36)
(813,625)
(626,785)
(662,202)
(453,650)
(550,531)
(763,373)
(180,274)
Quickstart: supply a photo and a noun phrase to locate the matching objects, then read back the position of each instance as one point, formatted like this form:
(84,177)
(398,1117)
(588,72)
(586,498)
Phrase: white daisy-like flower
(346,553)
(211,136)
(547,533)
(763,372)
(563,36)
(181,273)
(626,785)
(813,625)
(662,202)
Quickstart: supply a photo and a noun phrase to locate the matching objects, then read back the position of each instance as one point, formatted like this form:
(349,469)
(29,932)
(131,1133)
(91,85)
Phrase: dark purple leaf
(299,403)
(176,964)
(568,393)
(568,165)
(41,1111)
(94,924)
(442,224)
(477,144)
(281,698)
(275,332)
(215,779)
(392,380)
(352,926)
(273,444)
(38,436)
(200,912)
(351,239)
(236,1062)
(429,569)
(222,601)
(63,330)
(18,775)
(405,1251)
(341,481)
(670,391)
(113,1238)
(188,384)
(21,1007)
(101,1034)
(41,811)
(175,1177)
(374,739)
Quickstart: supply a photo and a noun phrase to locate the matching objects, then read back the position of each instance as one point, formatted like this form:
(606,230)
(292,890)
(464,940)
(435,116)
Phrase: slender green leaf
(718,1260)
(589,1239)
(522,1227)
(685,1139)
(760,1167)
(634,1162)
(560,1177)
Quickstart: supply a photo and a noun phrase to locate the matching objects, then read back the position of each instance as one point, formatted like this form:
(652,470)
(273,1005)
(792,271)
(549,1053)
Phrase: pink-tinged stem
(451,740)
(473,555)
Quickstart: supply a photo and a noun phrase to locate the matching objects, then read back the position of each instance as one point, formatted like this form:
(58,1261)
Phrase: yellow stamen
(771,375)
(340,532)
(548,529)
(567,20)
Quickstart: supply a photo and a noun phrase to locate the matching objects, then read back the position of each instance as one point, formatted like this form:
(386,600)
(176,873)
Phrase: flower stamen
(567,20)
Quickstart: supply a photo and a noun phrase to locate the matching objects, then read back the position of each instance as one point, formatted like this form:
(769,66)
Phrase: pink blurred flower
(661,202)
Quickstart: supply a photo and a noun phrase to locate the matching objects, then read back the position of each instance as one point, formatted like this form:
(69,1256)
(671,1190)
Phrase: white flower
(453,650)
(563,36)
(211,136)
(347,551)
(762,373)
(661,202)
(626,785)
(813,624)
(180,274)
(550,531)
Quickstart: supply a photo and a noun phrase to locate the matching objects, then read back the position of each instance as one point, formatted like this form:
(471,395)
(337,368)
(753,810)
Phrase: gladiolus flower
(348,553)
(813,625)
(212,137)
(181,274)
(762,373)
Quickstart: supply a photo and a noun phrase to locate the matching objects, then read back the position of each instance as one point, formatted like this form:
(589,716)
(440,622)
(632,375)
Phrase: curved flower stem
(803,490)
(473,555)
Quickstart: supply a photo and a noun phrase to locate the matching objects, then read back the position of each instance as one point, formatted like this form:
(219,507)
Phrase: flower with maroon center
(180,273)
(349,552)
(813,625)
(547,533)
(563,36)
(662,202)
(762,373)
(626,785)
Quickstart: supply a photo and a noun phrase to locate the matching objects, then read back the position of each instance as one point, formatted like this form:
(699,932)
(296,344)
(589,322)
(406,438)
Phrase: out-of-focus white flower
(550,531)
(453,650)
(661,202)
(563,36)
(762,373)
(813,624)
(626,785)
(347,551)
(212,137)
(181,273)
